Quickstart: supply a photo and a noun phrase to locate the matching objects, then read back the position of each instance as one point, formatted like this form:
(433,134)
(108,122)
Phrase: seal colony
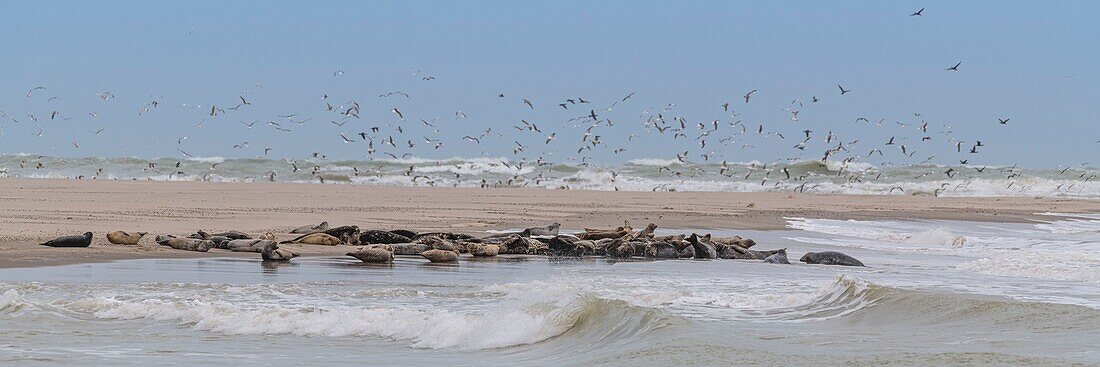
(381,246)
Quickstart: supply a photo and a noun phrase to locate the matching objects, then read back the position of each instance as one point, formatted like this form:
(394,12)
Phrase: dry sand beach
(35,210)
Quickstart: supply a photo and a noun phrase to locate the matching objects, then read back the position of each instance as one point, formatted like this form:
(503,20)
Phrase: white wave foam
(10,300)
(888,231)
(207,159)
(1049,265)
(1076,223)
(658,162)
(425,328)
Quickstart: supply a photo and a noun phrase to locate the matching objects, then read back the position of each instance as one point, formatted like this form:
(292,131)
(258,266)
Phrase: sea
(933,293)
(830,177)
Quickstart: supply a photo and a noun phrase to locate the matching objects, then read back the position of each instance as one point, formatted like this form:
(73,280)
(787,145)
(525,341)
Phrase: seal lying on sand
(550,230)
(409,249)
(661,250)
(318,238)
(440,256)
(702,247)
(595,234)
(778,258)
(568,246)
(83,240)
(310,229)
(374,236)
(480,250)
(272,252)
(620,249)
(125,238)
(733,241)
(374,254)
(247,245)
(234,235)
(515,244)
(187,244)
(830,258)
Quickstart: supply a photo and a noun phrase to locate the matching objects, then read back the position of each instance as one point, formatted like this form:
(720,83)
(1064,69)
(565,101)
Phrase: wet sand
(35,210)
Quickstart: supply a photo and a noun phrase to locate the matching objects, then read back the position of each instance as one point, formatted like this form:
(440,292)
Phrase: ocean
(830,177)
(934,293)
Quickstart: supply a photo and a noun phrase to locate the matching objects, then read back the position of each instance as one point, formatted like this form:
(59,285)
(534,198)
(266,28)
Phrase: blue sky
(1033,62)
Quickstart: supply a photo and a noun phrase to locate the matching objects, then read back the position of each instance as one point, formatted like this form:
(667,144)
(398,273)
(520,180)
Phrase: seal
(733,241)
(830,258)
(186,244)
(374,236)
(272,252)
(247,245)
(404,232)
(595,234)
(409,249)
(515,244)
(661,250)
(702,247)
(550,230)
(307,229)
(568,247)
(480,250)
(779,257)
(620,249)
(83,240)
(440,256)
(346,234)
(234,235)
(644,233)
(319,238)
(438,243)
(373,255)
(125,238)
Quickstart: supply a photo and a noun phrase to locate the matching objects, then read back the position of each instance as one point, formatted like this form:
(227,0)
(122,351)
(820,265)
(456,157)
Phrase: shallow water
(935,293)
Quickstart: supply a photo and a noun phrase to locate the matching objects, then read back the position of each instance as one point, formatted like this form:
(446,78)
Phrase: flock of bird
(533,144)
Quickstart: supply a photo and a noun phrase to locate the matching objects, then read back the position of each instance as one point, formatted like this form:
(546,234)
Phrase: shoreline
(35,210)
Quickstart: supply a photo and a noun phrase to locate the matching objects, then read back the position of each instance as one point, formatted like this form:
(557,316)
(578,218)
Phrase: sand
(35,210)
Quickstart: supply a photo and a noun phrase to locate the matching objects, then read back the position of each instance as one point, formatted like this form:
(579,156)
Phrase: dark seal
(83,240)
(830,258)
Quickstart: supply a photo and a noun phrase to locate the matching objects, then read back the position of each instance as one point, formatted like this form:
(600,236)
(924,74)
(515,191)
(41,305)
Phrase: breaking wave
(651,174)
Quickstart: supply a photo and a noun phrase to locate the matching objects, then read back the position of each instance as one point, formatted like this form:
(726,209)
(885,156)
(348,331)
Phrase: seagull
(918,13)
(34,90)
(748,95)
(1003,121)
(954,68)
(842,90)
(528,103)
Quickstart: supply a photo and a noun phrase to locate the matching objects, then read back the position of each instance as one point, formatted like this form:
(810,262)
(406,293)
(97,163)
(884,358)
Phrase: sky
(1034,63)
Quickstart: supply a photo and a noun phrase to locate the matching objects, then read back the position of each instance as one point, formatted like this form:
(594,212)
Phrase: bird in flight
(1003,121)
(954,68)
(918,13)
(842,90)
(749,95)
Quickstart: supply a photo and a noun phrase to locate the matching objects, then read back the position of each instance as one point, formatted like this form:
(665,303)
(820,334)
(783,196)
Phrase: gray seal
(830,258)
(550,230)
(373,255)
(187,244)
(247,245)
(703,248)
(310,229)
(661,250)
(83,240)
(272,252)
(374,236)
(779,257)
